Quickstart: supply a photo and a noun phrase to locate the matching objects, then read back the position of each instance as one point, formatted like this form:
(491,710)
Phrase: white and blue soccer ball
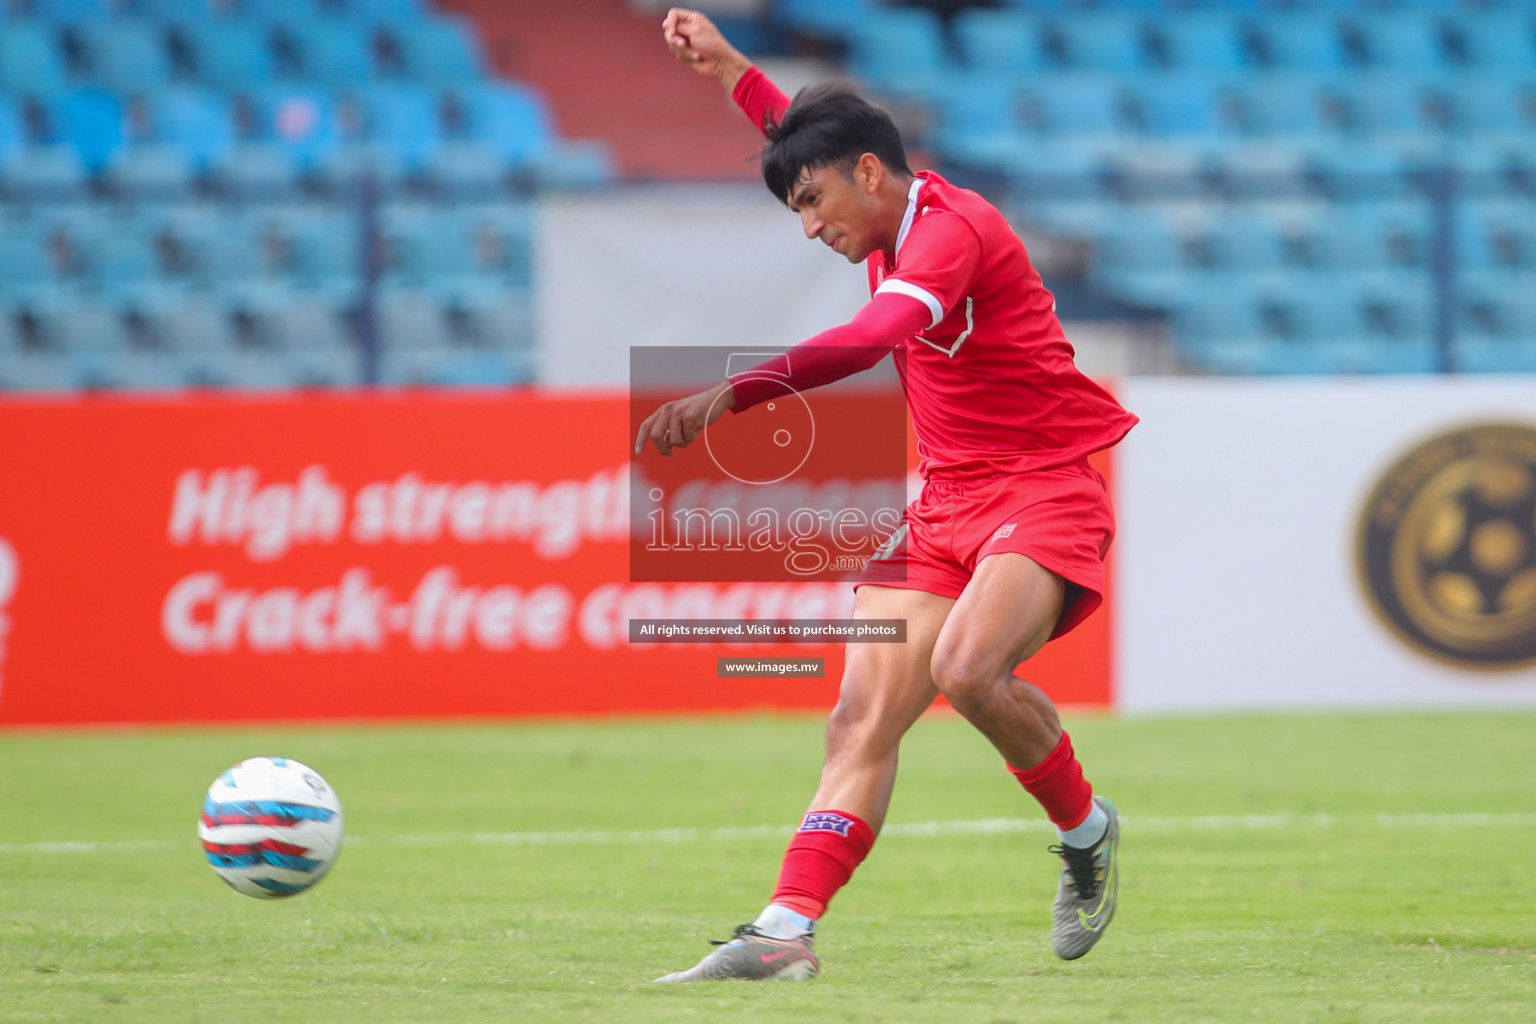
(271,827)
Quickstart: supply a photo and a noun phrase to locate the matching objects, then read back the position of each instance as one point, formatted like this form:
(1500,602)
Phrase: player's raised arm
(694,40)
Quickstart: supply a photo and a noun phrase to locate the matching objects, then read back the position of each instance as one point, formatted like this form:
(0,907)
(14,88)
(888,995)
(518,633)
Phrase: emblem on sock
(826,821)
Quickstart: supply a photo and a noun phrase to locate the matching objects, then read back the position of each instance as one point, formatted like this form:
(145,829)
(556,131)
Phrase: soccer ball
(271,827)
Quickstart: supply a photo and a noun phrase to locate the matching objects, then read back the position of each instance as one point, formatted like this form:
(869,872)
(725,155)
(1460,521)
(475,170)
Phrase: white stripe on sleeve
(922,295)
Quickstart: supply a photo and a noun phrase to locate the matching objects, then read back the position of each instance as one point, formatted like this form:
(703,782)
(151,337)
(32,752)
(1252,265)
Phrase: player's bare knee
(968,678)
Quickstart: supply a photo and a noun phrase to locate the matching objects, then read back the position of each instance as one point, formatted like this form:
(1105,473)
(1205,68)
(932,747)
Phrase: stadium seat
(180,321)
(1495,42)
(464,168)
(1201,41)
(53,172)
(323,244)
(279,10)
(440,52)
(830,19)
(1240,242)
(13,132)
(175,10)
(999,42)
(257,170)
(1388,106)
(456,369)
(1280,105)
(411,318)
(196,121)
(900,52)
(405,12)
(123,55)
(328,53)
(39,372)
(90,121)
(1180,106)
(976,119)
(1492,104)
(1107,41)
(31,63)
(1062,169)
(1162,171)
(489,316)
(1266,168)
(1308,42)
(1401,42)
(402,119)
(151,171)
(299,120)
(1348,171)
(25,269)
(232,55)
(511,119)
(1075,105)
(70,12)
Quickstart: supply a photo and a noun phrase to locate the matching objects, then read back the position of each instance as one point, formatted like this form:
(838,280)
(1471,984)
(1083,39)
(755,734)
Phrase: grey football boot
(1090,882)
(751,956)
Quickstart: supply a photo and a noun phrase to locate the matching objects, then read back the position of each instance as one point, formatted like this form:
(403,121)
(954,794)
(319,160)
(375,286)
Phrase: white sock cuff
(778,922)
(1089,832)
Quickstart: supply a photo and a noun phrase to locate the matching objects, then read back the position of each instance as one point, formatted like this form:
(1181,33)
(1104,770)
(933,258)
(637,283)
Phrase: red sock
(1058,783)
(820,860)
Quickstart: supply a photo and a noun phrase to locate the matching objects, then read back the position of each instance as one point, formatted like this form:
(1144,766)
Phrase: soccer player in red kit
(1003,550)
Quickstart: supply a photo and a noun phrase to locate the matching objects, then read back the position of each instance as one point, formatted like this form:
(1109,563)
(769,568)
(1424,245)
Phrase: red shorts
(1060,517)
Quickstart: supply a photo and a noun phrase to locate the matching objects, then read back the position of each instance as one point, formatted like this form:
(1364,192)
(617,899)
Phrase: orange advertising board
(366,556)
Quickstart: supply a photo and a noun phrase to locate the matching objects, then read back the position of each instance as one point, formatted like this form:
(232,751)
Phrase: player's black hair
(828,125)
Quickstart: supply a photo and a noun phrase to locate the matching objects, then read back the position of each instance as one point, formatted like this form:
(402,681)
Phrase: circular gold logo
(1447,547)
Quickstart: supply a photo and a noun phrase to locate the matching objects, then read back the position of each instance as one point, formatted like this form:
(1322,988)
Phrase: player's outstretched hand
(678,422)
(694,40)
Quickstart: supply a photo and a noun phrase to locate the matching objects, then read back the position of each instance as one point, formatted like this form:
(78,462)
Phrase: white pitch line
(984,826)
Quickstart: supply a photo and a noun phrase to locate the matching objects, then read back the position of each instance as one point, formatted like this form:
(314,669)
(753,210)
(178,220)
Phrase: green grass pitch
(1372,868)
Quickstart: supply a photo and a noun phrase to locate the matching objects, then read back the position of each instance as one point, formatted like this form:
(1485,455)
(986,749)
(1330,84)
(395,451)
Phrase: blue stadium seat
(464,167)
(1281,105)
(1076,105)
(1302,42)
(52,171)
(259,170)
(279,10)
(1404,43)
(31,62)
(490,316)
(234,55)
(1180,106)
(1241,242)
(511,119)
(1492,104)
(151,171)
(1108,41)
(323,245)
(13,132)
(1000,42)
(196,121)
(70,12)
(25,269)
(124,55)
(1492,42)
(1347,171)
(1166,170)
(175,10)
(832,19)
(447,368)
(402,119)
(976,119)
(90,121)
(441,52)
(333,54)
(900,52)
(391,11)
(1202,41)
(576,163)
(37,372)
(1390,106)
(301,121)
(1063,169)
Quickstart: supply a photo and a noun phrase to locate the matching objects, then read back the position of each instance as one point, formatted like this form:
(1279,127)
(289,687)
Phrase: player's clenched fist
(678,422)
(694,40)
